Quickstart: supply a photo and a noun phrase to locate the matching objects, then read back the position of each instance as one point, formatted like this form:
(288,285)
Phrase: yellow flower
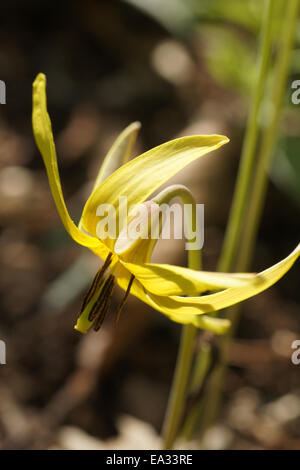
(162,286)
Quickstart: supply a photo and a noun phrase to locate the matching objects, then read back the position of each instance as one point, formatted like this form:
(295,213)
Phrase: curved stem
(185,354)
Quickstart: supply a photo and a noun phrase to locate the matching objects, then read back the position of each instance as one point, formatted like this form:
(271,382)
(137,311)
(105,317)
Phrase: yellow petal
(213,302)
(216,325)
(219,326)
(44,139)
(119,153)
(164,279)
(142,252)
(141,176)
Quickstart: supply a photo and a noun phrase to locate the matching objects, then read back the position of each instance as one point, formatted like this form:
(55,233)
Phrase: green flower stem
(186,349)
(256,204)
(269,138)
(201,369)
(241,193)
(179,386)
(244,178)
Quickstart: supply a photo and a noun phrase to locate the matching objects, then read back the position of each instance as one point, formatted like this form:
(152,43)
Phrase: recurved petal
(166,280)
(213,302)
(219,326)
(216,325)
(44,139)
(119,154)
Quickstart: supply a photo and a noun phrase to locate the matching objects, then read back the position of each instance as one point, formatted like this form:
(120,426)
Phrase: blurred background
(179,67)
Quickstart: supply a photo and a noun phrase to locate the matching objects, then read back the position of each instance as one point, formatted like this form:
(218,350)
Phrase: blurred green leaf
(246,13)
(231,61)
(286,168)
(174,15)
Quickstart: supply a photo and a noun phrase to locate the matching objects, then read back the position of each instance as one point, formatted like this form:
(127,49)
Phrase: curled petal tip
(137,124)
(39,80)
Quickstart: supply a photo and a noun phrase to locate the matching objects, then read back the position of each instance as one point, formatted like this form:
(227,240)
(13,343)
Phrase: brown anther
(105,292)
(101,317)
(117,317)
(104,304)
(96,283)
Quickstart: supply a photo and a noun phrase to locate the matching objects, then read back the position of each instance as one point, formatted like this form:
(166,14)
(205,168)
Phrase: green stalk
(244,179)
(201,369)
(185,354)
(256,202)
(179,386)
(247,162)
(269,138)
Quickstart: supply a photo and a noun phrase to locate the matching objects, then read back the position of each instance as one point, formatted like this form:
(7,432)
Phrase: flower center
(97,301)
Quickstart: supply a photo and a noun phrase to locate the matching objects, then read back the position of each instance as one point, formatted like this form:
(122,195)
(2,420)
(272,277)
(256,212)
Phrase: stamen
(117,317)
(96,283)
(105,304)
(100,319)
(106,290)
